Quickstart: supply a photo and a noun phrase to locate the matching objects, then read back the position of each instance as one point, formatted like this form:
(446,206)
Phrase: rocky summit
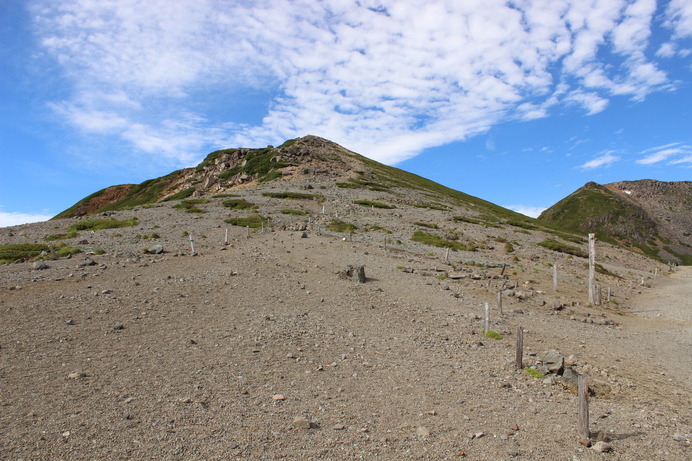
(305,302)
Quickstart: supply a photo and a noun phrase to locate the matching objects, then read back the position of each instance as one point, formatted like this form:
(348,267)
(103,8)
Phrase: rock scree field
(119,343)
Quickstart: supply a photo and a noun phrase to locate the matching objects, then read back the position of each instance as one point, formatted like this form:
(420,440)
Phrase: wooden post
(225,240)
(608,297)
(262,224)
(554,277)
(583,422)
(248,230)
(499,302)
(192,245)
(519,361)
(592,268)
(350,236)
(322,209)
(385,243)
(599,294)
(502,272)
(487,318)
(447,255)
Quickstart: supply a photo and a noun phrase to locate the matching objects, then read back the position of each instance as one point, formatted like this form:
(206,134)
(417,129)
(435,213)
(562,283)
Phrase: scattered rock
(87,262)
(338,427)
(156,250)
(570,378)
(118,326)
(554,361)
(601,447)
(301,423)
(585,442)
(679,438)
(278,397)
(76,375)
(513,453)
(422,431)
(355,273)
(39,265)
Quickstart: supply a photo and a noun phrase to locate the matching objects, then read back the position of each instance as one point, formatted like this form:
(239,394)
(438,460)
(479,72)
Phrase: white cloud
(679,17)
(662,153)
(527,210)
(604,160)
(386,78)
(15,218)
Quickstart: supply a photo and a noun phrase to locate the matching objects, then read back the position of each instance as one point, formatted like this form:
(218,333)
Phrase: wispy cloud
(15,219)
(386,78)
(662,153)
(604,160)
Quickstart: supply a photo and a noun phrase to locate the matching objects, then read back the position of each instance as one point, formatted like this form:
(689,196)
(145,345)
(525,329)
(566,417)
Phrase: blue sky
(517,102)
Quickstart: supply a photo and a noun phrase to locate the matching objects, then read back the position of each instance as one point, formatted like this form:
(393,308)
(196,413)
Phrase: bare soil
(214,356)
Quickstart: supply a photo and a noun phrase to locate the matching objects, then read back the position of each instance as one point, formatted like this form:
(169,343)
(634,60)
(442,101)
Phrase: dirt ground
(262,350)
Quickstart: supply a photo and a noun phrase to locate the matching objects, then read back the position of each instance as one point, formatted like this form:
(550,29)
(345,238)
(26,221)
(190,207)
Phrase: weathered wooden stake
(447,255)
(599,295)
(262,224)
(350,236)
(192,245)
(583,422)
(502,272)
(519,361)
(592,268)
(248,230)
(554,277)
(487,318)
(385,243)
(608,297)
(499,302)
(322,209)
(225,240)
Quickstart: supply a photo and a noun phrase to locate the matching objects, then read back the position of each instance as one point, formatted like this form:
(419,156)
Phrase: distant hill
(296,162)
(654,217)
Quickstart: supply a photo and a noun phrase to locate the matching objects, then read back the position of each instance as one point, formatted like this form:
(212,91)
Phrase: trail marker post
(592,268)
(519,360)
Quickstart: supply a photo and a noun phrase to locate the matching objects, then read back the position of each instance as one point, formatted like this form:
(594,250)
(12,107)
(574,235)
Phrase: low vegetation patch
(190,206)
(534,373)
(373,204)
(293,212)
(341,226)
(428,225)
(254,221)
(185,193)
(62,250)
(493,334)
(434,240)
(65,236)
(20,252)
(258,164)
(554,245)
(293,195)
(238,204)
(431,206)
(153,235)
(104,223)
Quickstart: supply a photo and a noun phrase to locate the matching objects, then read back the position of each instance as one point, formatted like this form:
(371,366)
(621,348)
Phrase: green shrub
(534,373)
(238,204)
(341,226)
(293,212)
(99,251)
(554,245)
(104,223)
(254,221)
(293,195)
(185,193)
(65,236)
(21,251)
(428,225)
(493,334)
(190,206)
(370,203)
(509,248)
(434,240)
